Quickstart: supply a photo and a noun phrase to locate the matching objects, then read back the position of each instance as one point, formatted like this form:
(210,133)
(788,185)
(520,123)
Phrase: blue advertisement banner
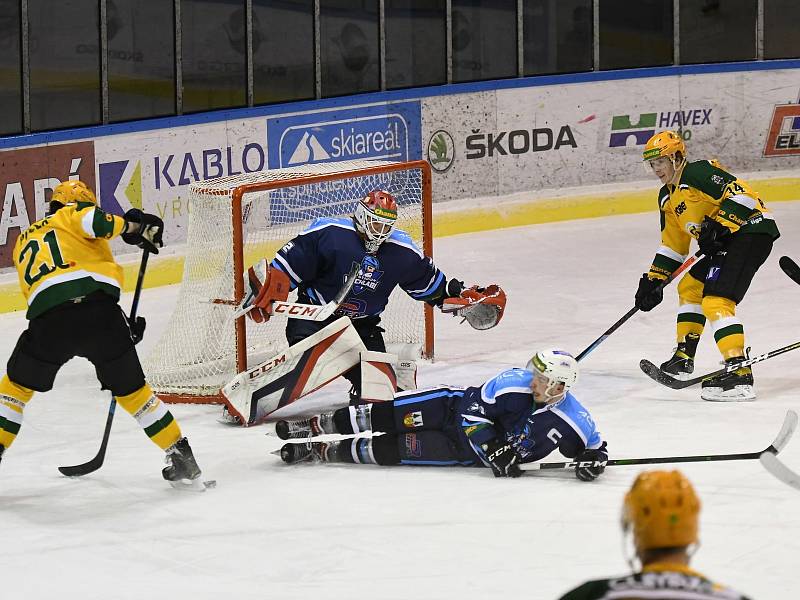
(384,131)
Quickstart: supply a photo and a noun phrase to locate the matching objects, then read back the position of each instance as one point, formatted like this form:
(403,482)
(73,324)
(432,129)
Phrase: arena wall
(504,153)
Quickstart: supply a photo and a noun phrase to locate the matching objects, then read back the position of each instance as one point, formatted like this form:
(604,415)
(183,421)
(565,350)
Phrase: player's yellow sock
(152,415)
(13,398)
(728,329)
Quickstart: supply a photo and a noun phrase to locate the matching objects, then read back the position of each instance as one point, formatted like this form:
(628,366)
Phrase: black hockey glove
(713,236)
(583,470)
(454,288)
(650,293)
(144,230)
(502,458)
(137,328)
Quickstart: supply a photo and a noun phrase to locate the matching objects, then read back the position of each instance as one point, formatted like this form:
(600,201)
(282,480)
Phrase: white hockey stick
(308,312)
(769,458)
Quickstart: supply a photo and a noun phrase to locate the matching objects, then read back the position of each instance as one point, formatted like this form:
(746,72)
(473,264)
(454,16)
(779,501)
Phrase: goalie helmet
(375,217)
(557,367)
(661,511)
(71,192)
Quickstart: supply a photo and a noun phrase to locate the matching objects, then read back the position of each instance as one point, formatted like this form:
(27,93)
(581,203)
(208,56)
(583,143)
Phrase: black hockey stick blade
(97,461)
(656,374)
(791,268)
(787,429)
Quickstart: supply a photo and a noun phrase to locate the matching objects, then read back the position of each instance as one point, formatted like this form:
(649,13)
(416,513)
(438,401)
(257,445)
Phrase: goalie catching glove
(264,285)
(481,307)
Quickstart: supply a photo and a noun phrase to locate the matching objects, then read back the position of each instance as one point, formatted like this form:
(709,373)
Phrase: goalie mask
(374,218)
(553,368)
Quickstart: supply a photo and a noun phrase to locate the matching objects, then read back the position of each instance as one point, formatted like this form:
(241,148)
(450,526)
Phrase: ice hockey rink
(331,532)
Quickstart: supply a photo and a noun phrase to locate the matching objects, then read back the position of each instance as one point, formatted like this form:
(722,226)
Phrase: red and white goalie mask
(375,217)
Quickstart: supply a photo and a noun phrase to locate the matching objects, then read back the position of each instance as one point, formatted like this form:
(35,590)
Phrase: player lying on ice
(318,260)
(518,416)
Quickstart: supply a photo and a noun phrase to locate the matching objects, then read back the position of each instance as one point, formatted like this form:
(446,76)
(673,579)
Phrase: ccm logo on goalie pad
(292,309)
(265,368)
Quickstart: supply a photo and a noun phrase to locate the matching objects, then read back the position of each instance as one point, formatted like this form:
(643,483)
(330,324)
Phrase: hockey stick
(656,374)
(97,462)
(791,268)
(688,263)
(768,457)
(309,312)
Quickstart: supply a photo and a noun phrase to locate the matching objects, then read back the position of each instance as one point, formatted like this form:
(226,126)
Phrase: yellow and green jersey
(705,189)
(66,256)
(657,580)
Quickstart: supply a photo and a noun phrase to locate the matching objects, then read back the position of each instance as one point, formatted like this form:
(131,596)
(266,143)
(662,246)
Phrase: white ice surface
(336,531)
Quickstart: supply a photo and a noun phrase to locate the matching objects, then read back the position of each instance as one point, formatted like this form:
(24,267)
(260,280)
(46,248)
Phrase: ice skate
(306,428)
(226,418)
(310,452)
(681,365)
(182,471)
(730,387)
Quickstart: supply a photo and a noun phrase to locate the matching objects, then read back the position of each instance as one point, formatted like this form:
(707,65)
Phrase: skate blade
(734,395)
(193,485)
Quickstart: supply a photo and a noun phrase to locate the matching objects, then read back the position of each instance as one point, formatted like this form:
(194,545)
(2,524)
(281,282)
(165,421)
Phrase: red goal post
(239,219)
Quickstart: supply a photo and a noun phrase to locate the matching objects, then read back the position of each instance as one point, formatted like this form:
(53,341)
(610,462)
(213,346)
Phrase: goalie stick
(791,268)
(687,264)
(97,462)
(309,312)
(656,374)
(767,457)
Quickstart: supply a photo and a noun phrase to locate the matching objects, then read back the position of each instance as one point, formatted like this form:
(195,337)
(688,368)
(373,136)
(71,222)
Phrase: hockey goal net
(240,219)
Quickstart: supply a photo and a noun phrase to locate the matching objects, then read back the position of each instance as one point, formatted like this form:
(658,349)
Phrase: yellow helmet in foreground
(72,192)
(661,509)
(665,143)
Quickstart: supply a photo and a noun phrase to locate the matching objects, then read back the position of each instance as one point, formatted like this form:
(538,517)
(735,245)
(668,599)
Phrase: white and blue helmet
(557,366)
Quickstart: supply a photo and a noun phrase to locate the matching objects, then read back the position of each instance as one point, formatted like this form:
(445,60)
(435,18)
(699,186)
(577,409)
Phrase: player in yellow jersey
(660,512)
(72,285)
(735,232)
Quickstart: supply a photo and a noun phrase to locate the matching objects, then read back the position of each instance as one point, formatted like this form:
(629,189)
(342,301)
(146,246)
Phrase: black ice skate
(730,387)
(306,428)
(182,470)
(292,454)
(681,365)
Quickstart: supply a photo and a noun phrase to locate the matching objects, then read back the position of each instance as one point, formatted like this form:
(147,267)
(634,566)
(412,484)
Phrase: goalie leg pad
(378,378)
(296,372)
(406,375)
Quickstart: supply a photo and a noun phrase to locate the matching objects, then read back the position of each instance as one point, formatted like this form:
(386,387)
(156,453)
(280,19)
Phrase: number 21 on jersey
(38,266)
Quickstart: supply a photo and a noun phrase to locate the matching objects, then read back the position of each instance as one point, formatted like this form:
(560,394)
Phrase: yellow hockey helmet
(72,192)
(665,143)
(661,509)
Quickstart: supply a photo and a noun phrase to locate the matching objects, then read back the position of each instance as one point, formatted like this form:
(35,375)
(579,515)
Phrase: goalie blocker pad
(264,285)
(293,373)
(482,308)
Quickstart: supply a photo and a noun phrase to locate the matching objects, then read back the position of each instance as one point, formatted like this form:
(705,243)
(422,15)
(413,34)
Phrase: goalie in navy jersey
(518,416)
(318,260)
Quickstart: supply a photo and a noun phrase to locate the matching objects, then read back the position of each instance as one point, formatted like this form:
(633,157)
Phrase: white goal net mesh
(197,352)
